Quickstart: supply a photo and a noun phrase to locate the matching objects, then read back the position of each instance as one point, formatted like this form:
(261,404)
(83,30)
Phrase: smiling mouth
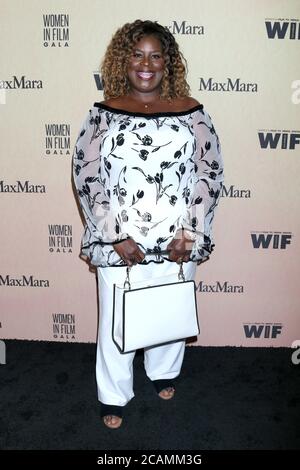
(145,75)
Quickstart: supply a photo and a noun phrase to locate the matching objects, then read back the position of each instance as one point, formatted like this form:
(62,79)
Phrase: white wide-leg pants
(114,370)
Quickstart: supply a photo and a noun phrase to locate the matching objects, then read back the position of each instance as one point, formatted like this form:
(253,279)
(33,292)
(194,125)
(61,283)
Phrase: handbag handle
(127,285)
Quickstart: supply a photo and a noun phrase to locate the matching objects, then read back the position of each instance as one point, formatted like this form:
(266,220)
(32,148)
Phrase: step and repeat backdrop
(243,65)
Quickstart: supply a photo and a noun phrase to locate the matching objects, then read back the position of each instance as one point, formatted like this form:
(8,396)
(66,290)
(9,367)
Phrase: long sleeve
(208,180)
(101,225)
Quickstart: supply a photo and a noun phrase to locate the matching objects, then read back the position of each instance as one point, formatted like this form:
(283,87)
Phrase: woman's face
(146,65)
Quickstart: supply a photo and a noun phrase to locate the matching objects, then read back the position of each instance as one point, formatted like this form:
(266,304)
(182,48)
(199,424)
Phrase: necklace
(147,105)
(150,103)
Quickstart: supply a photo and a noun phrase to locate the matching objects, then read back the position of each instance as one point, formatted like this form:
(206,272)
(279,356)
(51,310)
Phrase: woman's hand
(129,251)
(180,247)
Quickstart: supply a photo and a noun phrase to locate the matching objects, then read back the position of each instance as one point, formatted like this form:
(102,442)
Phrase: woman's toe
(167,393)
(112,421)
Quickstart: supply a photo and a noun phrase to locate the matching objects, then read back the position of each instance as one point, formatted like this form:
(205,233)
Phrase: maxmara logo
(23,281)
(273,240)
(234,192)
(282,139)
(230,84)
(16,83)
(220,287)
(184,28)
(56,30)
(21,187)
(57,139)
(282,28)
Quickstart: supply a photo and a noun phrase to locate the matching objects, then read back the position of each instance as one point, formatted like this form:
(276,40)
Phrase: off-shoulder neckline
(148,115)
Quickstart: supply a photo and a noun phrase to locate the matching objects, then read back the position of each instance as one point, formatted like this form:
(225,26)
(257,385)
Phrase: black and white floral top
(146,176)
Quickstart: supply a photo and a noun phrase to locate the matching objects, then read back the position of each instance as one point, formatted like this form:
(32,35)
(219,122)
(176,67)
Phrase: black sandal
(162,384)
(114,410)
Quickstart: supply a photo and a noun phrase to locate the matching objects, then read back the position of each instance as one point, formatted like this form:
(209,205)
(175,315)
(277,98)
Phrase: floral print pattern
(146,176)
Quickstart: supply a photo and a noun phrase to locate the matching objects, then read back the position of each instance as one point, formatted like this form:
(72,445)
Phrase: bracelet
(191,235)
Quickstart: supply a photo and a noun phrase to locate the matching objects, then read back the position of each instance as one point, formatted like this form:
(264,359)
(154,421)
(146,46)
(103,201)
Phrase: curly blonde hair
(114,65)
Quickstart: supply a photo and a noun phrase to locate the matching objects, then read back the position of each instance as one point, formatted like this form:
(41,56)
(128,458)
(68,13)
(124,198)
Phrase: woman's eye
(139,55)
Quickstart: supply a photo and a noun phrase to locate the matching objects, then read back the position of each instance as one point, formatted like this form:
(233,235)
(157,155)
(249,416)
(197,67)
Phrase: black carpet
(226,398)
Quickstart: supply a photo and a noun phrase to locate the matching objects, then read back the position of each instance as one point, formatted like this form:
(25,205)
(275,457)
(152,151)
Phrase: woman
(148,171)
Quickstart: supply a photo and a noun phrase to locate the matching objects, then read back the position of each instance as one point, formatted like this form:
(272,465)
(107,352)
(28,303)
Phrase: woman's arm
(208,180)
(93,197)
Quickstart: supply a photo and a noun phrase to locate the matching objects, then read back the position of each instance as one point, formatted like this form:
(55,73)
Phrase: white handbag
(154,311)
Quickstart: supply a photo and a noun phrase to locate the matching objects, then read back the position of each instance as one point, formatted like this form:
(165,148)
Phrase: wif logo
(282,28)
(262,330)
(275,240)
(273,139)
(98,81)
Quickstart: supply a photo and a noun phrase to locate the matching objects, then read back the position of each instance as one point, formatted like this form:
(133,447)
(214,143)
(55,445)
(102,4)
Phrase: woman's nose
(145,61)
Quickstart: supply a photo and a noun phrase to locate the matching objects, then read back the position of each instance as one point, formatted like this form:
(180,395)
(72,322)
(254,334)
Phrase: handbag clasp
(181,276)
(127,285)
